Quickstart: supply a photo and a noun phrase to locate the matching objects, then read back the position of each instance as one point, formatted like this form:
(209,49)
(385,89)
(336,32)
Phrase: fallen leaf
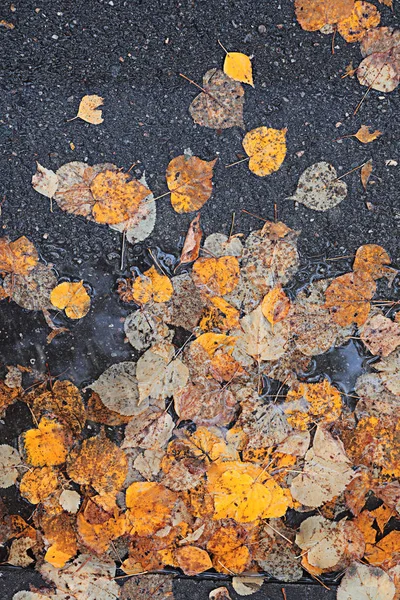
(32,291)
(9,461)
(220,593)
(37,484)
(72,297)
(348,298)
(18,555)
(238,67)
(63,401)
(261,340)
(314,14)
(70,501)
(149,507)
(372,259)
(362,582)
(364,16)
(380,68)
(246,586)
(275,305)
(18,257)
(47,445)
(266,148)
(6,24)
(151,286)
(44,181)
(99,463)
(192,560)
(141,224)
(219,245)
(228,549)
(118,389)
(364,135)
(319,187)
(327,471)
(143,587)
(205,403)
(365,174)
(143,329)
(116,196)
(389,368)
(189,180)
(88,109)
(312,403)
(191,246)
(216,276)
(220,106)
(381,335)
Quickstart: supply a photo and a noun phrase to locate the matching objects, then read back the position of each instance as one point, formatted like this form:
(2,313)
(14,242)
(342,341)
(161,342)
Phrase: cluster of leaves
(206,464)
(358,21)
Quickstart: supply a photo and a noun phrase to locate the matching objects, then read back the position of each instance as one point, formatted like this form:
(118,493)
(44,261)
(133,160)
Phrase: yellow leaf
(372,259)
(64,402)
(59,531)
(266,148)
(87,109)
(18,257)
(365,136)
(353,28)
(216,276)
(189,180)
(151,286)
(211,342)
(150,506)
(46,445)
(313,402)
(314,14)
(192,560)
(275,305)
(219,315)
(98,536)
(238,67)
(348,298)
(37,484)
(117,197)
(72,297)
(228,550)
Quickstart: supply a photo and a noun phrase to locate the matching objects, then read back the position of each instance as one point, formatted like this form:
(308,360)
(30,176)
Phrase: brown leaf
(365,173)
(191,246)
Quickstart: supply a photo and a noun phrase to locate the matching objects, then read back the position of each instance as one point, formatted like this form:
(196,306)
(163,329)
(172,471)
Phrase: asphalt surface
(131,53)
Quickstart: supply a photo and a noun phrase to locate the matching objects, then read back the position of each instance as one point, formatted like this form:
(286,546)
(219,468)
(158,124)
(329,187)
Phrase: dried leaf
(143,587)
(314,14)
(220,106)
(363,17)
(389,369)
(189,180)
(47,445)
(191,246)
(149,507)
(45,181)
(362,582)
(192,560)
(364,135)
(37,484)
(365,174)
(70,501)
(87,109)
(372,259)
(32,291)
(72,297)
(219,245)
(381,335)
(9,461)
(220,593)
(266,148)
(246,586)
(380,71)
(261,340)
(118,389)
(319,187)
(238,67)
(18,556)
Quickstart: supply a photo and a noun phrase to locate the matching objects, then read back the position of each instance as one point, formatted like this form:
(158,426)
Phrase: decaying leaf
(319,187)
(363,582)
(192,560)
(381,335)
(118,389)
(364,16)
(216,276)
(150,506)
(348,298)
(238,67)
(72,297)
(312,403)
(371,260)
(37,484)
(220,593)
(45,181)
(261,340)
(191,246)
(266,148)
(221,104)
(380,68)
(32,291)
(365,174)
(143,587)
(9,461)
(189,180)
(314,14)
(364,135)
(18,257)
(389,369)
(141,224)
(88,109)
(275,305)
(47,445)
(246,586)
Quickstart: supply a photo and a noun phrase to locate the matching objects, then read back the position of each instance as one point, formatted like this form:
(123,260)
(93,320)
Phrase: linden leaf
(18,257)
(363,17)
(312,402)
(260,340)
(372,259)
(275,305)
(97,537)
(37,484)
(363,582)
(149,507)
(266,148)
(238,67)
(189,180)
(45,181)
(9,461)
(99,463)
(47,445)
(319,187)
(216,276)
(221,104)
(192,560)
(88,109)
(117,198)
(151,286)
(72,297)
(348,298)
(314,14)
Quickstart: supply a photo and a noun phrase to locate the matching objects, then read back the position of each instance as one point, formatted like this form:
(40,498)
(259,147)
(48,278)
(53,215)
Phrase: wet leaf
(191,246)
(246,586)
(150,506)
(47,445)
(18,556)
(45,181)
(116,197)
(219,245)
(275,305)
(37,484)
(216,276)
(364,16)
(71,297)
(372,259)
(88,109)
(319,187)
(192,560)
(118,389)
(189,180)
(389,369)
(381,335)
(261,340)
(143,587)
(64,402)
(18,257)
(220,106)
(238,67)
(99,463)
(266,148)
(312,403)
(363,582)
(314,14)
(143,330)
(140,225)
(348,298)
(151,286)
(9,461)
(32,291)
(228,550)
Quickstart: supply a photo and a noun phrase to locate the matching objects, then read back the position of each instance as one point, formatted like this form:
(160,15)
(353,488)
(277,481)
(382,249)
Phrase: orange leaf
(275,305)
(18,257)
(192,560)
(47,445)
(191,246)
(365,173)
(353,28)
(150,505)
(72,297)
(189,180)
(117,197)
(216,276)
(364,135)
(371,260)
(151,286)
(37,484)
(348,298)
(314,14)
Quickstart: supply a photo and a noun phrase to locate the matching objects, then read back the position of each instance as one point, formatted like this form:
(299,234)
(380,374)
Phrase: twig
(202,89)
(123,250)
(232,226)
(348,172)
(237,162)
(284,593)
(223,47)
(253,215)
